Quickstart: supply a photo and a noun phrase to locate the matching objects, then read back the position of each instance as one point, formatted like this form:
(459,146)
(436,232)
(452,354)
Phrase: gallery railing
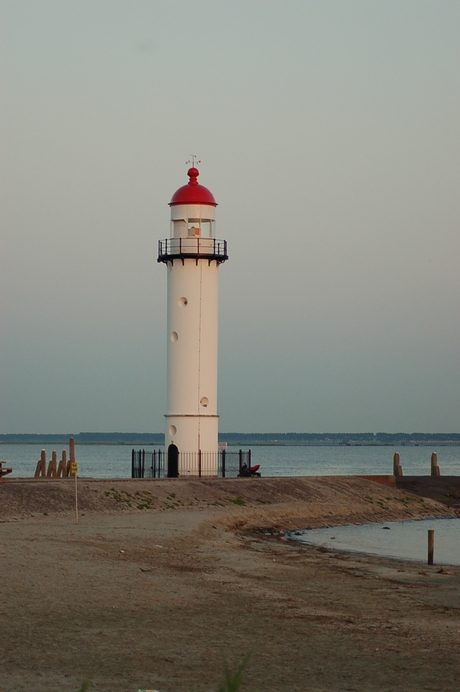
(196,248)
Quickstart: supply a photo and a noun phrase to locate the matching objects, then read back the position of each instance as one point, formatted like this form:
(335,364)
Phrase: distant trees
(235,438)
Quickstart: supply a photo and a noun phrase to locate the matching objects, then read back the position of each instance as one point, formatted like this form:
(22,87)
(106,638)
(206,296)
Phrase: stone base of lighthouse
(200,458)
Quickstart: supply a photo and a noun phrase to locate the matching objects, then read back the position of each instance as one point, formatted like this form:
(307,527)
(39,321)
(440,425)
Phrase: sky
(329,134)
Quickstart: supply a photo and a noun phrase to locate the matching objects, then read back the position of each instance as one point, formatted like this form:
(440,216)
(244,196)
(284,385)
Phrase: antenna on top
(193,161)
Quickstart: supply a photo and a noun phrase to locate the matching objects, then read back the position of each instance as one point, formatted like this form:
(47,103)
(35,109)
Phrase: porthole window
(174,336)
(204,401)
(183,302)
(172,429)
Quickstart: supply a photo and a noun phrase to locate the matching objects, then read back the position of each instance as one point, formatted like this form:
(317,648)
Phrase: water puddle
(401,539)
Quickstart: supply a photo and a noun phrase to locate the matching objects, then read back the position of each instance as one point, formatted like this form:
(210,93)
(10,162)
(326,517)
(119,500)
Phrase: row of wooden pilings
(65,469)
(397,468)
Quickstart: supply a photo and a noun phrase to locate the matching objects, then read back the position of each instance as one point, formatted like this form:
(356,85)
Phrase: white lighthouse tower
(192,256)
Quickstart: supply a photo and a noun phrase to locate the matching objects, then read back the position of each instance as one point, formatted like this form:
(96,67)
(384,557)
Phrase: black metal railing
(196,248)
(221,464)
(147,464)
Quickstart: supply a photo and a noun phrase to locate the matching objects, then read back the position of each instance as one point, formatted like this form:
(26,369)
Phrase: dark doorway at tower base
(173,461)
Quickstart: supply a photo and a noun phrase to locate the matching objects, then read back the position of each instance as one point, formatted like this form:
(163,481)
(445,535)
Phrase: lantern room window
(207,228)
(192,228)
(178,228)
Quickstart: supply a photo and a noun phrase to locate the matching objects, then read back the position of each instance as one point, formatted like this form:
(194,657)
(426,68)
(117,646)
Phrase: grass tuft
(237,501)
(233,678)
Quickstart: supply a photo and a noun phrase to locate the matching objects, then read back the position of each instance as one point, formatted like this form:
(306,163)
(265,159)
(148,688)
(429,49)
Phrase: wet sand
(161,580)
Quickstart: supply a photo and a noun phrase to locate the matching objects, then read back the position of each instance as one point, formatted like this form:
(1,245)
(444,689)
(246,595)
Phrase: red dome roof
(193,192)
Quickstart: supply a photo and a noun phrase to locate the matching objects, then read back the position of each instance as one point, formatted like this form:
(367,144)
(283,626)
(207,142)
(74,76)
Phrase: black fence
(147,464)
(221,464)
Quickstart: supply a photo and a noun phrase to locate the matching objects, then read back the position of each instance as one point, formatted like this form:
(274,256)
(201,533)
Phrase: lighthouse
(192,255)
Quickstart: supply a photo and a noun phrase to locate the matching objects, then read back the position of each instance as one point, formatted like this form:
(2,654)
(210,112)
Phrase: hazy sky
(329,134)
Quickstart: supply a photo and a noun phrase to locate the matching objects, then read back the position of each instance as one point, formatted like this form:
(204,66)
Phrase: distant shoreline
(344,439)
(439,443)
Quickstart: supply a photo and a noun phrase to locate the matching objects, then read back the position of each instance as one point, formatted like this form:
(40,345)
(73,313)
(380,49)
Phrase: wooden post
(40,471)
(62,471)
(397,468)
(51,473)
(435,471)
(430,546)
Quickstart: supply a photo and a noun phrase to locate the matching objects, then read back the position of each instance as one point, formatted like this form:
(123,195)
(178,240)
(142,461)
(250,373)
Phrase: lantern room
(193,210)
(193,225)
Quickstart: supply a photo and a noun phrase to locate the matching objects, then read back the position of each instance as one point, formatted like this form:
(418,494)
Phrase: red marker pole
(74,472)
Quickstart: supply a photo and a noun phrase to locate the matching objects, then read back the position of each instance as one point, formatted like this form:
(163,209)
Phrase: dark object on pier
(4,470)
(249,471)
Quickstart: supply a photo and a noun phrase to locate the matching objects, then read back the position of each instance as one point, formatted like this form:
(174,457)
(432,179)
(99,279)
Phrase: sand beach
(160,581)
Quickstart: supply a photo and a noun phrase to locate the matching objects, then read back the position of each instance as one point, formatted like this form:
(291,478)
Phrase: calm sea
(114,461)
